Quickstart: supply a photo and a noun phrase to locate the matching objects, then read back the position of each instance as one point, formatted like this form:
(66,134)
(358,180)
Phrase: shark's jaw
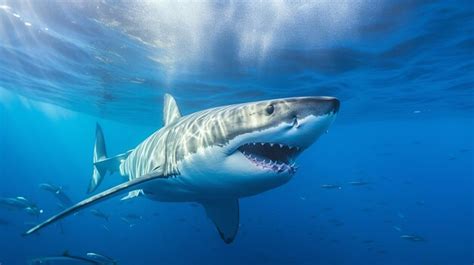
(272,153)
(276,157)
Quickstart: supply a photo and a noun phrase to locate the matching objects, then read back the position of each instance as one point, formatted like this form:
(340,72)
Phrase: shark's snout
(316,106)
(332,105)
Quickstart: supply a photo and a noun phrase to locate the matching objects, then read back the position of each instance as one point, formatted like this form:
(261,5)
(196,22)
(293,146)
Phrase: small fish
(16,203)
(101,258)
(58,192)
(106,228)
(302,198)
(397,228)
(63,198)
(35,211)
(23,201)
(100,214)
(401,215)
(132,216)
(131,219)
(61,206)
(413,237)
(21,198)
(7,203)
(358,183)
(331,186)
(49,187)
(128,221)
(63,259)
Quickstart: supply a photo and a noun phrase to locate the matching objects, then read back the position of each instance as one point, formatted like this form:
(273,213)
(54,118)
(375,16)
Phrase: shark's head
(261,140)
(271,134)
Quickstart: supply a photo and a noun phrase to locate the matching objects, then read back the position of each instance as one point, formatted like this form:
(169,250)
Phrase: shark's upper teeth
(268,156)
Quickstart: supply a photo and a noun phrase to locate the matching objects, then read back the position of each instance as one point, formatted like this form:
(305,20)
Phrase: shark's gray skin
(214,156)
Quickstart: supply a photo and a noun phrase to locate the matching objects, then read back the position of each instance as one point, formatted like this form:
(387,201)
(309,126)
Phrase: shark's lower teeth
(276,157)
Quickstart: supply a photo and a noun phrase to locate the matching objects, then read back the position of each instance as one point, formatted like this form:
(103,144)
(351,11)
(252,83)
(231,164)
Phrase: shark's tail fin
(103,164)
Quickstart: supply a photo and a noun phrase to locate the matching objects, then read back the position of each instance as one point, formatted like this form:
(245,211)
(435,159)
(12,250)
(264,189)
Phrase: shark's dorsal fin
(171,111)
(224,213)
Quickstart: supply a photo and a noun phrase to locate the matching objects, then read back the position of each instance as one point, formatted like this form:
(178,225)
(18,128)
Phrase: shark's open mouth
(277,157)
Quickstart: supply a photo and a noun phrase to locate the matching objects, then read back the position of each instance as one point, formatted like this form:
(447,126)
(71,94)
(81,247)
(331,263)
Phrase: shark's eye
(270,109)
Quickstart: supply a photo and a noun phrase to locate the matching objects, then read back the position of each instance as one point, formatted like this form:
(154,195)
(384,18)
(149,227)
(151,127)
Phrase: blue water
(403,70)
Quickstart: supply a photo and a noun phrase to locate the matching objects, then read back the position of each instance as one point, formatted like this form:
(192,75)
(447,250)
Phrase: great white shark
(214,156)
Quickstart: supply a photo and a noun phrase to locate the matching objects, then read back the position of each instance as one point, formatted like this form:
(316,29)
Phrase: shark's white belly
(211,174)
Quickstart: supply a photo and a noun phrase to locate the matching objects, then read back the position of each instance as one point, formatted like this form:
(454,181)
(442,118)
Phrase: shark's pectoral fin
(128,186)
(225,215)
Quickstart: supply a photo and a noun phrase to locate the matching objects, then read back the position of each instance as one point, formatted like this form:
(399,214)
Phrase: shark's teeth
(271,156)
